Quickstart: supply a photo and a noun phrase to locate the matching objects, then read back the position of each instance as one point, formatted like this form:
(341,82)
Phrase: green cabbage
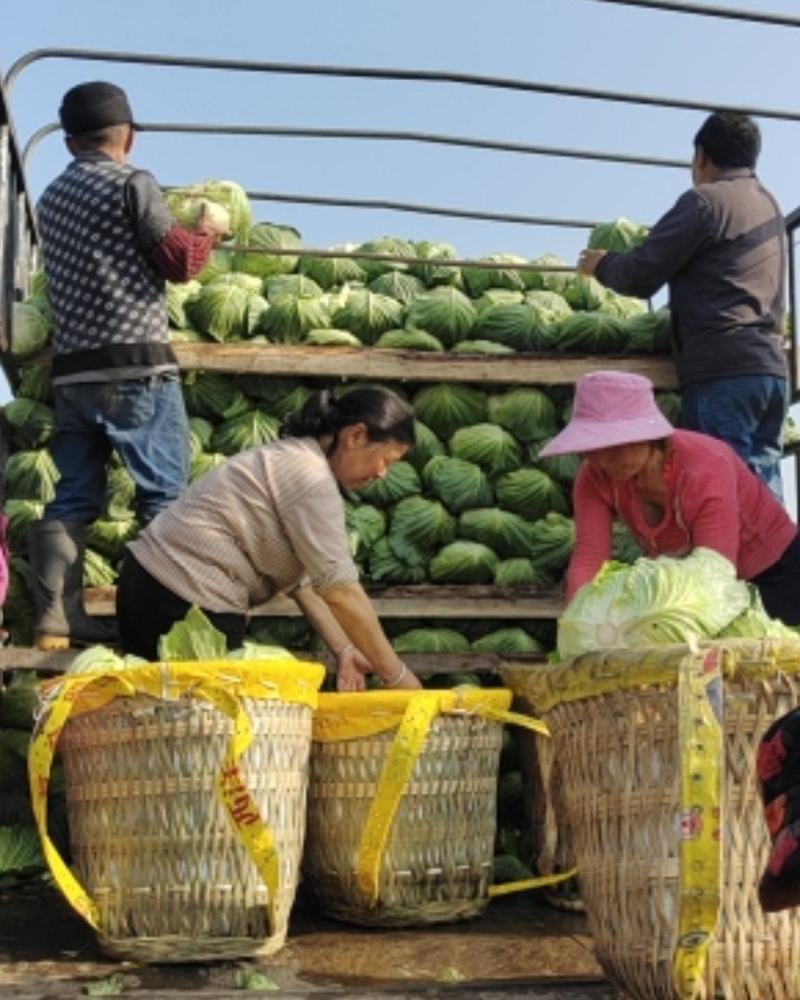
(620,235)
(463,562)
(551,281)
(520,572)
(507,323)
(200,432)
(528,414)
(488,446)
(562,468)
(481,347)
(624,307)
(552,538)
(203,463)
(479,279)
(365,524)
(220,262)
(109,538)
(119,494)
(328,272)
(498,297)
(29,331)
(31,423)
(397,285)
(177,295)
(21,514)
(448,406)
(670,405)
(654,601)
(549,308)
(530,493)
(289,318)
(331,337)
(509,641)
(430,640)
(649,332)
(426,446)
(401,480)
(97,570)
(445,312)
(584,292)
(225,307)
(294,285)
(193,638)
(213,396)
(31,475)
(409,339)
(278,396)
(754,622)
(367,315)
(435,274)
(249,430)
(624,547)
(186,203)
(34,383)
(505,533)
(458,484)
(592,332)
(417,525)
(260,240)
(386,566)
(389,245)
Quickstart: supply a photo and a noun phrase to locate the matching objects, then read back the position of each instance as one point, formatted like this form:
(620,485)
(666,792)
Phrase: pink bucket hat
(610,408)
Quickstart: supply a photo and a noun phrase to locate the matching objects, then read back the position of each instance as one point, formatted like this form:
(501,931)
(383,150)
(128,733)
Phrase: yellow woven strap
(525,884)
(700,751)
(76,693)
(399,765)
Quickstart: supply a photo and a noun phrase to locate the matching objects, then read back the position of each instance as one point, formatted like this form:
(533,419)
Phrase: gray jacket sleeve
(671,242)
(149,213)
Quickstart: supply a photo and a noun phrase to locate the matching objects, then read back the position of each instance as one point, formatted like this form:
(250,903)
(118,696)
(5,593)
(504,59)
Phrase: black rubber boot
(56,556)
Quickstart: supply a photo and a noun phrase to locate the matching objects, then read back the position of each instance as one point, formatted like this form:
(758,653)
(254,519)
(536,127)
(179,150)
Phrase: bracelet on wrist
(396,680)
(345,649)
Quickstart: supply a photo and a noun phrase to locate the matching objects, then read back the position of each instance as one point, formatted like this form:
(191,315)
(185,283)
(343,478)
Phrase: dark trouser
(146,610)
(779,586)
(745,411)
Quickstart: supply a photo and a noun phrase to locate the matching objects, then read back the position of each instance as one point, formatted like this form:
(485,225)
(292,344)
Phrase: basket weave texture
(437,865)
(151,840)
(619,771)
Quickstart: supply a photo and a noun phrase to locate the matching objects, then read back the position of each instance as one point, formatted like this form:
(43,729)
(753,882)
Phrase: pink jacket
(713,500)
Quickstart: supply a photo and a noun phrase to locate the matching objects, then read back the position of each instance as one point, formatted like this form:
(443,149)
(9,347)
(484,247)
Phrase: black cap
(90,107)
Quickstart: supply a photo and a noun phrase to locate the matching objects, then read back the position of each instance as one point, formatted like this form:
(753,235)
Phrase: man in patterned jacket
(108,243)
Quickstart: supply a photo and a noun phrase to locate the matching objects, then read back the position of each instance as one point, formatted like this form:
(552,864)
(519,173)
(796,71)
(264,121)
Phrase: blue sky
(580,42)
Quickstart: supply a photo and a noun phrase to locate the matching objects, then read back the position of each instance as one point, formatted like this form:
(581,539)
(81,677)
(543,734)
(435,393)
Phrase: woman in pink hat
(674,489)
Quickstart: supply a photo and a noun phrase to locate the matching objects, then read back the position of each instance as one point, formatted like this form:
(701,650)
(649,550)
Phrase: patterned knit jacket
(106,296)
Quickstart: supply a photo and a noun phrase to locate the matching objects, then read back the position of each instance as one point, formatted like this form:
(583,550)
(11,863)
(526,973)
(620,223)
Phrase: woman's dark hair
(730,139)
(386,416)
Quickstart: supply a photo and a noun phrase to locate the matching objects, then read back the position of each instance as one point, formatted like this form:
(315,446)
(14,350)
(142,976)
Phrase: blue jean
(746,411)
(144,419)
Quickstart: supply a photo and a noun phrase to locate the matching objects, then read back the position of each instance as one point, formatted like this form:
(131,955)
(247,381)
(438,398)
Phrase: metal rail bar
(732,13)
(402,206)
(389,73)
(469,142)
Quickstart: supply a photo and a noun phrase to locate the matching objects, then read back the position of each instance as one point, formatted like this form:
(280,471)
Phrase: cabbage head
(528,414)
(97,570)
(552,538)
(509,323)
(331,337)
(34,383)
(430,640)
(220,262)
(498,297)
(109,538)
(398,285)
(551,281)
(419,525)
(505,533)
(367,315)
(186,203)
(624,547)
(401,480)
(458,484)
(463,562)
(619,236)
(31,423)
(295,285)
(562,468)
(520,572)
(445,312)
(435,274)
(409,339)
(584,292)
(507,642)
(200,431)
(30,330)
(649,332)
(222,308)
(119,494)
(447,406)
(654,601)
(592,332)
(365,524)
(530,493)
(21,514)
(213,396)
(479,279)
(31,475)
(549,308)
(622,306)
(260,240)
(290,317)
(426,446)
(278,396)
(488,446)
(248,430)
(203,463)
(389,245)
(754,622)
(386,566)
(481,347)
(328,272)
(176,296)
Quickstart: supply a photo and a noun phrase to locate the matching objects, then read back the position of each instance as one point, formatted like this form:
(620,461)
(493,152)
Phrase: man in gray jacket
(721,250)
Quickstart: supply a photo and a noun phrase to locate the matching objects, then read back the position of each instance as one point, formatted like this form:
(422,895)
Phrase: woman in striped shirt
(270,520)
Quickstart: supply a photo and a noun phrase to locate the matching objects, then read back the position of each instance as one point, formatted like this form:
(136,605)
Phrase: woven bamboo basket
(614,720)
(151,839)
(436,865)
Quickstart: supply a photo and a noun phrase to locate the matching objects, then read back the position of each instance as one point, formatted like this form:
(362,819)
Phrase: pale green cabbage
(488,446)
(448,406)
(260,240)
(430,640)
(463,562)
(458,484)
(445,312)
(526,413)
(367,315)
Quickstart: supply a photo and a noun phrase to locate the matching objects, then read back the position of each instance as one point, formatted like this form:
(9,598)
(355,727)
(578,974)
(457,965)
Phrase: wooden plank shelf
(301,361)
(421,601)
